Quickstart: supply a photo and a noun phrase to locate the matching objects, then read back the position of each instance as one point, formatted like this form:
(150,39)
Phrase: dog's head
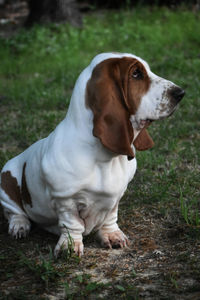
(125,97)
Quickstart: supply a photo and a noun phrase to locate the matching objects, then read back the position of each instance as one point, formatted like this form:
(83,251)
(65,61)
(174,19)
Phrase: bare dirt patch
(163,262)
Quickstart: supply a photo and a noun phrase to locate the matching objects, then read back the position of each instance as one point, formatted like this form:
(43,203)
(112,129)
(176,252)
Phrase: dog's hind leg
(10,199)
(19,225)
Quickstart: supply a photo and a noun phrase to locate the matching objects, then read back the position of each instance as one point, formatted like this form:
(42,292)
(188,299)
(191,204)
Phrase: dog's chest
(104,187)
(109,179)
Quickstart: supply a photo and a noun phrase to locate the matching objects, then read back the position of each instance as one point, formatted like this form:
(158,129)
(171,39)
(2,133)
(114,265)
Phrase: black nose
(176,94)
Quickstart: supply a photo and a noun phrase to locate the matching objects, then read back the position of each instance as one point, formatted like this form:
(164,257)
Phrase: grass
(37,73)
(41,268)
(190,211)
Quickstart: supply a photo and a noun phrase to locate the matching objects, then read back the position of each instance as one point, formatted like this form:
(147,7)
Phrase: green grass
(42,268)
(38,70)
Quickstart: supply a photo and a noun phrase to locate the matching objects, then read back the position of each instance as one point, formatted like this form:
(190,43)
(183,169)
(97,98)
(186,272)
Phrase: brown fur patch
(143,141)
(136,88)
(113,94)
(26,197)
(105,98)
(10,186)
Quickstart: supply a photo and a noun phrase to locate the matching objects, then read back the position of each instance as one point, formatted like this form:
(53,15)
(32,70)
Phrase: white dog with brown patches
(71,182)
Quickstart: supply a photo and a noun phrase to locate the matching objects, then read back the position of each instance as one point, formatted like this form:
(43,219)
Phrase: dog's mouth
(139,124)
(146,123)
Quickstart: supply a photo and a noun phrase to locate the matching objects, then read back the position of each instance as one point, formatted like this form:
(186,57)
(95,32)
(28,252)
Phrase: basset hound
(71,182)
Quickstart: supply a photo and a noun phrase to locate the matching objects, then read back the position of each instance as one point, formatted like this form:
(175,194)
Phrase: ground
(162,262)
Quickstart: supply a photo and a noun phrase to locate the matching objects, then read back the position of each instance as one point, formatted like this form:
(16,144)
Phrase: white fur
(74,182)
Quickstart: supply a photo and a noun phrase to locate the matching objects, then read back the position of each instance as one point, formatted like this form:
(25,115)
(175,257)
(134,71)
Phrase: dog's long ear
(105,97)
(143,141)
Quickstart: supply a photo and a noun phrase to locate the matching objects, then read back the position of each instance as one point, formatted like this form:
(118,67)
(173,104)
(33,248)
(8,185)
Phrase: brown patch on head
(113,94)
(138,85)
(11,188)
(26,197)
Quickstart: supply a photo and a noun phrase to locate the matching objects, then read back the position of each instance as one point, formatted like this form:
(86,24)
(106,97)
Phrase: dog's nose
(176,94)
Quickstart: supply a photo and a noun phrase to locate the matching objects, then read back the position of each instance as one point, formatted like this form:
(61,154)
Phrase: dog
(71,182)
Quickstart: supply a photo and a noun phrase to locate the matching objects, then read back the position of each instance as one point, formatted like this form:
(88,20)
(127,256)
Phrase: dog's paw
(115,239)
(78,247)
(73,245)
(19,226)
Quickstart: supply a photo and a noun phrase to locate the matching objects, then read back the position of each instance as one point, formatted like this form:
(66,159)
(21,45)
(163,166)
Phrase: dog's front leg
(109,234)
(71,227)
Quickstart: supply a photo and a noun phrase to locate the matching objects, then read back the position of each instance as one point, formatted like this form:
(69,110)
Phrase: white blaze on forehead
(103,56)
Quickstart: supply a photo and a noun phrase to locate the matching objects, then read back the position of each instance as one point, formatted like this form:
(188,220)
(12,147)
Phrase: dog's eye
(137,74)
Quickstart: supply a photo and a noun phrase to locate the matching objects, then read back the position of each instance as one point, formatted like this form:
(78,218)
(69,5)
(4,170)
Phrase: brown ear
(105,98)
(143,141)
